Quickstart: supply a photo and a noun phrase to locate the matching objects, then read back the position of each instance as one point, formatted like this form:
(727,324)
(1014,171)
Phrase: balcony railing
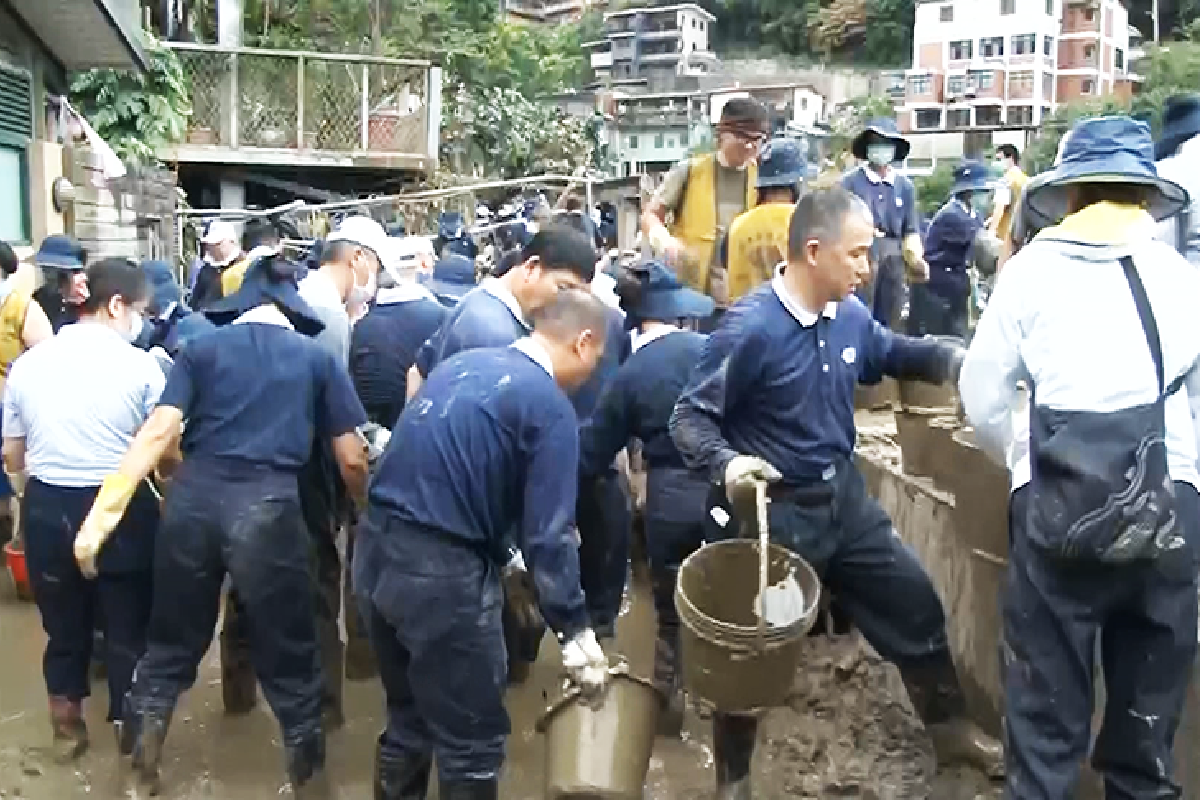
(251,99)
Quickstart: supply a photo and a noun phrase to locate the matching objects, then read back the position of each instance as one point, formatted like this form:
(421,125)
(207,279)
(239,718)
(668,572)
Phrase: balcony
(299,109)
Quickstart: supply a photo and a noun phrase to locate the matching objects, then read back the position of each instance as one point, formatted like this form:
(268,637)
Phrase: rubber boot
(937,697)
(333,716)
(733,750)
(239,690)
(403,778)
(70,731)
(147,749)
(666,657)
(469,790)
(306,769)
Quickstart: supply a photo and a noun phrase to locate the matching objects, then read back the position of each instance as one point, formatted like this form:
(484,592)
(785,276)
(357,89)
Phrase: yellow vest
(758,242)
(12,317)
(695,223)
(231,278)
(1016,180)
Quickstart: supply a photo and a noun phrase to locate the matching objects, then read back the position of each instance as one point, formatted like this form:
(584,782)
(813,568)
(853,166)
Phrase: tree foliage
(933,190)
(137,114)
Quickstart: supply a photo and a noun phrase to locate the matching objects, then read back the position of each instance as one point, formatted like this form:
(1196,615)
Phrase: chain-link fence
(275,99)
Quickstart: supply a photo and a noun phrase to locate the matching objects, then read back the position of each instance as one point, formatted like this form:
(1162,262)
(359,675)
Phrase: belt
(805,495)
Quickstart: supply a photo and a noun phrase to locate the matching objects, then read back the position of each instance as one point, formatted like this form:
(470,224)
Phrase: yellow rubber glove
(107,510)
(914,258)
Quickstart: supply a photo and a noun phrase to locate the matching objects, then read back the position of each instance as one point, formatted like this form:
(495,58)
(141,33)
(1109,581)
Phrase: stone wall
(133,217)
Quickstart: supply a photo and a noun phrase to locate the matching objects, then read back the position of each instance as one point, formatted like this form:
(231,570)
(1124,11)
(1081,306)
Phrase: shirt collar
(266,314)
(498,290)
(874,177)
(640,340)
(536,353)
(802,314)
(88,329)
(402,293)
(319,286)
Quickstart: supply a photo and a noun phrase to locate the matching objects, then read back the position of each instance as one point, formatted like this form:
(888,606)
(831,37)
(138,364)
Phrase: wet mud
(848,734)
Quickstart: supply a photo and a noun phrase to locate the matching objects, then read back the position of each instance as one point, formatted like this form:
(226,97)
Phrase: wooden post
(364,121)
(300,67)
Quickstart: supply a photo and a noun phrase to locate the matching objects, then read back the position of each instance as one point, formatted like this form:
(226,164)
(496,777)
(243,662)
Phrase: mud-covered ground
(849,734)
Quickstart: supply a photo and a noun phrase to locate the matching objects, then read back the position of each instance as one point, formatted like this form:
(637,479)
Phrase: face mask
(981,202)
(360,294)
(880,155)
(135,325)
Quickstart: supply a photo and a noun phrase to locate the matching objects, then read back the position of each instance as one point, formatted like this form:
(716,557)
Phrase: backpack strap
(1183,221)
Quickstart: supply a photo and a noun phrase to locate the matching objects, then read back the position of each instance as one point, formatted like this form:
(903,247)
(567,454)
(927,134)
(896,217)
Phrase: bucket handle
(764,546)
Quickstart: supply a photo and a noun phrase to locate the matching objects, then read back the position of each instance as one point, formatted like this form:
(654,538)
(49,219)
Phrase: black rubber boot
(733,750)
(469,790)
(938,699)
(666,658)
(70,731)
(306,769)
(147,749)
(404,778)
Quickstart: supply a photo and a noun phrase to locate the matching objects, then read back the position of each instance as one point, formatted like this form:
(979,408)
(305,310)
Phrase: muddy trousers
(605,522)
(433,610)
(257,535)
(71,605)
(1144,617)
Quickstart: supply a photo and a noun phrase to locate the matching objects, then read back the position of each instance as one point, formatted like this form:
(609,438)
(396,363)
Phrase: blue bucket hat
(1114,149)
(270,279)
(663,297)
(886,128)
(164,289)
(453,276)
(780,163)
(59,252)
(1180,122)
(971,176)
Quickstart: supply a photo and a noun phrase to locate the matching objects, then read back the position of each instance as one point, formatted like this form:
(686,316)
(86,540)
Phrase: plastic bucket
(727,662)
(600,749)
(14,560)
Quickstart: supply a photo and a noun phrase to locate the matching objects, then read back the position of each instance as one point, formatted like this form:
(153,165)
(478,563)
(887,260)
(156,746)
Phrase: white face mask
(135,325)
(880,155)
(362,293)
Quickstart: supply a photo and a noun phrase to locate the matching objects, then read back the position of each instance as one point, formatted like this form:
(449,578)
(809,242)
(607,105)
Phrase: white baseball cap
(219,230)
(366,232)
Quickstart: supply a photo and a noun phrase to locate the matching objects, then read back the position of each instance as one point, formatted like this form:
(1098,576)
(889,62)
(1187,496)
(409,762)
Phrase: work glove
(914,259)
(742,474)
(17,481)
(521,609)
(107,510)
(585,662)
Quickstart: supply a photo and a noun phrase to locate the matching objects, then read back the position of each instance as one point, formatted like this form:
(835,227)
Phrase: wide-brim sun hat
(1114,150)
(58,251)
(971,176)
(662,297)
(1180,122)
(885,128)
(268,280)
(780,163)
(453,276)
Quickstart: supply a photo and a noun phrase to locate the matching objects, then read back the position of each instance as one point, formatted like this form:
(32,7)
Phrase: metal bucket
(599,749)
(727,660)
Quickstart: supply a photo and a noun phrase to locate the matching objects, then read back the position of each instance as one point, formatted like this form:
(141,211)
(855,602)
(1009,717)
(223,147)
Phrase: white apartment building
(654,43)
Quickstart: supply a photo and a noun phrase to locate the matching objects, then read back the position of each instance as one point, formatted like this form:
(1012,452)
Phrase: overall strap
(1149,326)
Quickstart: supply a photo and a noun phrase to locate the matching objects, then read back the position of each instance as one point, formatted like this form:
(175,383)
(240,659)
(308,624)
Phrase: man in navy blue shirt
(488,446)
(252,395)
(772,399)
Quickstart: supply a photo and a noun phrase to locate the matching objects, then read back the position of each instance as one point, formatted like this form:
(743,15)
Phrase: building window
(1119,58)
(16,131)
(958,118)
(988,116)
(1048,46)
(1089,54)
(960,50)
(928,118)
(991,47)
(947,13)
(1020,115)
(1008,7)
(804,100)
(671,142)
(1021,82)
(982,80)
(683,139)
(920,84)
(957,84)
(1087,86)
(1089,14)
(1048,87)
(1049,8)
(633,143)
(658,140)
(1025,44)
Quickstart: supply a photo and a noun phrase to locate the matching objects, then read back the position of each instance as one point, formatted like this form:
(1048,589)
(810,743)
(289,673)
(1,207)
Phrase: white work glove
(742,472)
(585,662)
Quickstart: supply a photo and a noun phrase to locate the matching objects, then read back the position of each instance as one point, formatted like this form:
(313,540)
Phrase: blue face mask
(981,201)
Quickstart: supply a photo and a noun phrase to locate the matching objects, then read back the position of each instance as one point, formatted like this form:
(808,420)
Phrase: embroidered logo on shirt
(899,202)
(849,354)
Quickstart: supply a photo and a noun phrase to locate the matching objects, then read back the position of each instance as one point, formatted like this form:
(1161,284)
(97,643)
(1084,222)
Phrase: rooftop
(662,10)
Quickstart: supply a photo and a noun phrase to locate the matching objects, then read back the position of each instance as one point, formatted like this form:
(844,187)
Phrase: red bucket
(14,559)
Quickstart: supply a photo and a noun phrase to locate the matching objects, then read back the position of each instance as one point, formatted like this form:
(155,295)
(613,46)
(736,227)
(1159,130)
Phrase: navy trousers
(884,294)
(250,526)
(432,607)
(1144,619)
(929,313)
(70,605)
(675,512)
(605,521)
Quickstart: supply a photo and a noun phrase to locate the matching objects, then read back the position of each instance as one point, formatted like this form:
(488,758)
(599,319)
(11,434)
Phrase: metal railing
(283,99)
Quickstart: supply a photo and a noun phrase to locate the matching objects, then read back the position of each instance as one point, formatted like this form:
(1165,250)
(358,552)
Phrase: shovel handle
(764,541)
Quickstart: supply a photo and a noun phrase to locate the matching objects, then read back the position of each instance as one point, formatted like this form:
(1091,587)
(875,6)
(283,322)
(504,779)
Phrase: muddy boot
(403,778)
(70,732)
(306,769)
(147,749)
(733,750)
(469,790)
(666,680)
(938,699)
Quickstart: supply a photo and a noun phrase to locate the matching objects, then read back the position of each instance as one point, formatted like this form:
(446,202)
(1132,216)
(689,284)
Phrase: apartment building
(994,64)
(654,45)
(548,12)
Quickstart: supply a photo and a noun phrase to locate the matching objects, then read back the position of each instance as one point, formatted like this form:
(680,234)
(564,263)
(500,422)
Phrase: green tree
(934,189)
(851,118)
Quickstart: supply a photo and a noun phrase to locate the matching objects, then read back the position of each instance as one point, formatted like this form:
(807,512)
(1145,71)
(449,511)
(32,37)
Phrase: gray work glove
(742,475)
(585,662)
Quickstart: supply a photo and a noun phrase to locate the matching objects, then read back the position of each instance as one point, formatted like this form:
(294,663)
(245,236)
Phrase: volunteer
(64,284)
(71,407)
(772,399)
(170,324)
(489,446)
(222,252)
(1177,156)
(1007,196)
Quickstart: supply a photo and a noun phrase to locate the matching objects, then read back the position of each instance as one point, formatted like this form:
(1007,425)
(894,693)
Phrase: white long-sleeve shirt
(1062,319)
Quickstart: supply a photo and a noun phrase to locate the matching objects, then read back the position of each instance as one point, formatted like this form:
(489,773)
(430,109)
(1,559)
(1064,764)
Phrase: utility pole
(1154,13)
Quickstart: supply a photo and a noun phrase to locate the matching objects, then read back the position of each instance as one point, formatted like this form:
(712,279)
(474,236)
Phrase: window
(633,143)
(1119,58)
(1089,14)
(1048,87)
(992,47)
(1048,46)
(957,84)
(920,84)
(1025,44)
(804,100)
(1089,53)
(946,13)
(1021,83)
(958,118)
(1049,8)
(929,118)
(988,116)
(671,142)
(1087,86)
(658,140)
(1008,7)
(683,139)
(960,50)
(1020,115)
(982,81)
(16,130)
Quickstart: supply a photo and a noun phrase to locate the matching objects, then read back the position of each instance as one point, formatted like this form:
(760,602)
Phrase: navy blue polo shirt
(778,383)
(488,446)
(893,204)
(947,245)
(254,395)
(479,320)
(384,345)
(638,402)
